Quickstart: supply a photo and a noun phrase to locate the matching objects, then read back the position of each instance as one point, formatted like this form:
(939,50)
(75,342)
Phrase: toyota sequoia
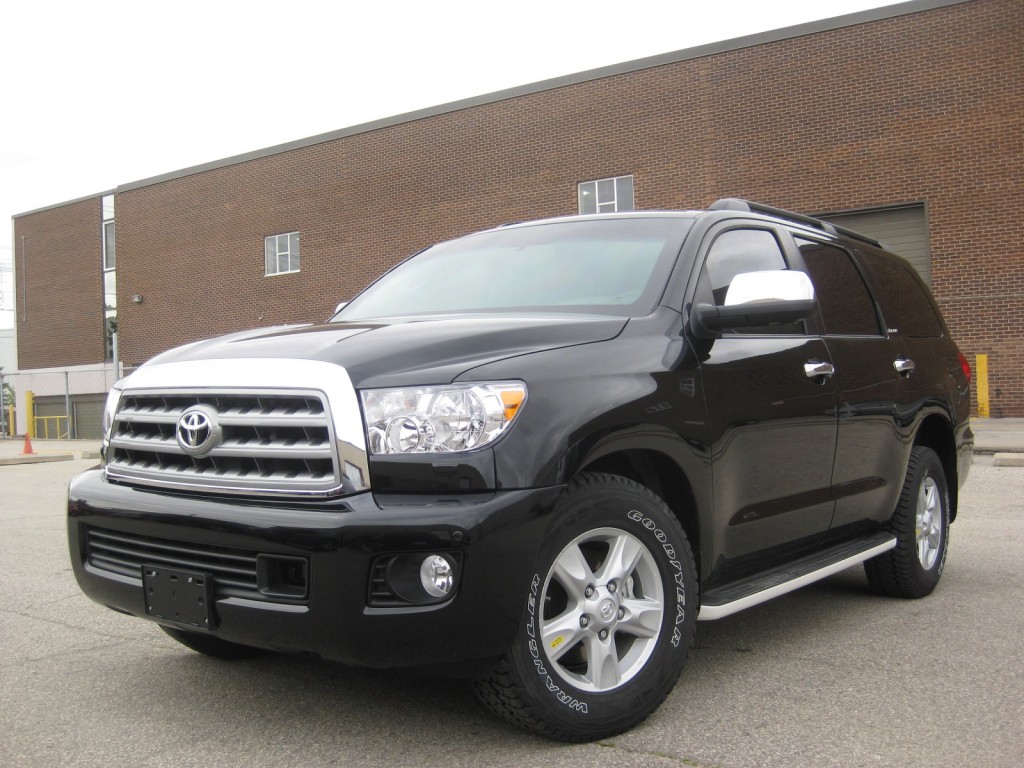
(537,456)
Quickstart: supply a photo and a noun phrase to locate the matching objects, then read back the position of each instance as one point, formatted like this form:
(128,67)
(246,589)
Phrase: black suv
(537,455)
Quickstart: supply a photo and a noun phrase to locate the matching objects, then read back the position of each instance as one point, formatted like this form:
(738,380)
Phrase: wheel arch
(666,466)
(936,432)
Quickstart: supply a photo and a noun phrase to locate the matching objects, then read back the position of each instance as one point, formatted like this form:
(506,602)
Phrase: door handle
(904,367)
(819,370)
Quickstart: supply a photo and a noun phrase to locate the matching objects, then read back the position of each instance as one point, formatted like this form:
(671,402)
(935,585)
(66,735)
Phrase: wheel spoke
(623,555)
(603,662)
(560,634)
(924,542)
(929,538)
(573,573)
(642,619)
(931,497)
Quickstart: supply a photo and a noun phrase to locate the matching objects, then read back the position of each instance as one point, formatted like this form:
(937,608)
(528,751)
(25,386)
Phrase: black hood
(420,351)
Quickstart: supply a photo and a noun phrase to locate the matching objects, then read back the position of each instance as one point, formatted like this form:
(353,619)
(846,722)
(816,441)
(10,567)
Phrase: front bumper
(495,537)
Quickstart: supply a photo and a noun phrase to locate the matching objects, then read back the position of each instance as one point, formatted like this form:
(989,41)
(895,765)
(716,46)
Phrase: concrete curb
(1008,460)
(37,458)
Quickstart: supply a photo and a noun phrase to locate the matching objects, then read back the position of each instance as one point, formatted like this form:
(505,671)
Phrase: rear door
(871,445)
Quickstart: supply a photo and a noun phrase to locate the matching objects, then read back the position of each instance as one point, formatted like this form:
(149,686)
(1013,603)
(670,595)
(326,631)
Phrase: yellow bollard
(981,379)
(30,413)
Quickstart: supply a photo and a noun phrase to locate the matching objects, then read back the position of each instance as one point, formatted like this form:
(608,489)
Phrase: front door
(771,407)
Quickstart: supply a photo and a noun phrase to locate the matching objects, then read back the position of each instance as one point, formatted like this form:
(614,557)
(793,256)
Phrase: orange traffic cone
(28,446)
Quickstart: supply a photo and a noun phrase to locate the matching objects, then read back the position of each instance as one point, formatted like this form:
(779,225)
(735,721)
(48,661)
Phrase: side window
(846,305)
(906,304)
(735,252)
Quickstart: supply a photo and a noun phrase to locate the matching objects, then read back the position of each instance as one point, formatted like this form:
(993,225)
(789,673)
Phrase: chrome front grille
(276,442)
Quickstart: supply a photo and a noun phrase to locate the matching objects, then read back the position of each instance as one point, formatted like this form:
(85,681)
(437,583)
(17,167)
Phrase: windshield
(595,266)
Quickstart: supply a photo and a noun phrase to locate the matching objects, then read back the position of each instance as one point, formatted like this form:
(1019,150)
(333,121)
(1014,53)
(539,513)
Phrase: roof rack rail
(748,206)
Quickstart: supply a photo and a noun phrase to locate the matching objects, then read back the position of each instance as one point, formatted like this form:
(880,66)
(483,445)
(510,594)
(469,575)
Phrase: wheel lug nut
(589,592)
(584,621)
(622,612)
(612,586)
(603,634)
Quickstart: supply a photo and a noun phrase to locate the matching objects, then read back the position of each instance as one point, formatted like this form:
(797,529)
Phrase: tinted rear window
(905,300)
(846,306)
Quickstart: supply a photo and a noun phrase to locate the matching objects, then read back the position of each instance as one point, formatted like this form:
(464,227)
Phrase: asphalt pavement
(830,675)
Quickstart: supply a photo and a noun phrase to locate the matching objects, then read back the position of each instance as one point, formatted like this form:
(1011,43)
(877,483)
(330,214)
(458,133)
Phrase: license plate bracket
(182,597)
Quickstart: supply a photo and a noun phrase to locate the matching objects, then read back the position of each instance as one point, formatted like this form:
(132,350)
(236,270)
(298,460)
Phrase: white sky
(101,94)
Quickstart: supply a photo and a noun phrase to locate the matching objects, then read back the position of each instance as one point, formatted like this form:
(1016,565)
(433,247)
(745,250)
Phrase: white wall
(8,350)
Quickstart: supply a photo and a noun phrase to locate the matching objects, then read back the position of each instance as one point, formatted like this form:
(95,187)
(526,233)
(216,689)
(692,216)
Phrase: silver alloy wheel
(928,523)
(603,604)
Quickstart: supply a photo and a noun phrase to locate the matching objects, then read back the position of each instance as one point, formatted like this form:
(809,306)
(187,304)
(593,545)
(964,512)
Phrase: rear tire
(921,524)
(610,616)
(211,645)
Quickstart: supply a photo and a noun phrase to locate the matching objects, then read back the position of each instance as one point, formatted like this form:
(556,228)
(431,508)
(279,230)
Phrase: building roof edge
(81,199)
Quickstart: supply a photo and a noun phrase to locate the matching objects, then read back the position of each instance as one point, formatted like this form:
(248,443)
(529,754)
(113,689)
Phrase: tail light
(965,366)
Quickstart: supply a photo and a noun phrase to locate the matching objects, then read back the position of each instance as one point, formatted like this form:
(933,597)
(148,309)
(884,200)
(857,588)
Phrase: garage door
(89,416)
(904,230)
(52,421)
(51,417)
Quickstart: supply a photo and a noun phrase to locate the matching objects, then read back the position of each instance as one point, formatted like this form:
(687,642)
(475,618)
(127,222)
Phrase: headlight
(448,419)
(109,409)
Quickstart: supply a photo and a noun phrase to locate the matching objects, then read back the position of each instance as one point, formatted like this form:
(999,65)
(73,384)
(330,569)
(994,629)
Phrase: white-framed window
(109,246)
(108,233)
(606,195)
(282,253)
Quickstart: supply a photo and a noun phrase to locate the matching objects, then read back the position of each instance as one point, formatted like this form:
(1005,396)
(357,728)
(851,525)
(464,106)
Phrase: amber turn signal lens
(512,399)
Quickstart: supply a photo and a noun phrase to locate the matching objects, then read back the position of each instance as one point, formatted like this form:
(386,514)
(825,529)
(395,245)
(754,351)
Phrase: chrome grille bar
(270,450)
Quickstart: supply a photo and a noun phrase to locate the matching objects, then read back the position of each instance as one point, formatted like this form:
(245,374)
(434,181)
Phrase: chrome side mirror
(755,299)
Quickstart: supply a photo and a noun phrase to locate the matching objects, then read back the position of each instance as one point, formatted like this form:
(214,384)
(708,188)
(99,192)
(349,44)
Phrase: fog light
(436,576)
(412,578)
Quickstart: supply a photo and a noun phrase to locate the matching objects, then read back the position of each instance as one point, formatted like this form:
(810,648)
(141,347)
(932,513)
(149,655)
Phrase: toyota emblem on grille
(197,431)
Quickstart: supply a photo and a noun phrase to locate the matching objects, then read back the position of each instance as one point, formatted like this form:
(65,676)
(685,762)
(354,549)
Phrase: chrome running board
(761,587)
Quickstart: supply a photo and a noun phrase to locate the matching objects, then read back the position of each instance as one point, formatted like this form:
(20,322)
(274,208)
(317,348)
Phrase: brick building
(905,122)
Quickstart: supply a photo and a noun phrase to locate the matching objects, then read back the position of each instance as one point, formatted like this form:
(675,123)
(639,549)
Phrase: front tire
(921,524)
(610,616)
